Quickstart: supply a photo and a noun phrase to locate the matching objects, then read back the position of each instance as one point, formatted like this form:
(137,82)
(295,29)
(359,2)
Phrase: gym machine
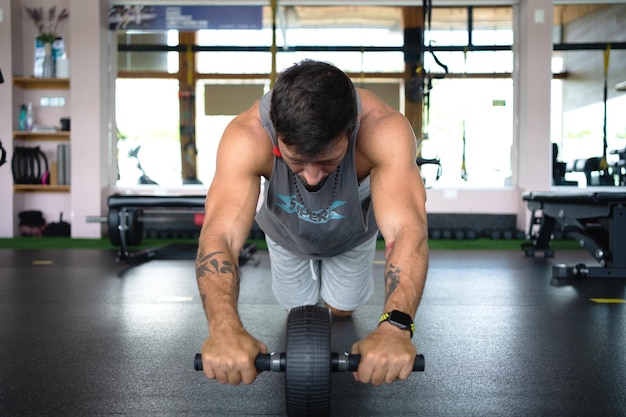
(129,214)
(596,220)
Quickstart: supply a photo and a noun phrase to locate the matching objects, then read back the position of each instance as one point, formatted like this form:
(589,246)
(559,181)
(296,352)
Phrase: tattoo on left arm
(392,280)
(209,265)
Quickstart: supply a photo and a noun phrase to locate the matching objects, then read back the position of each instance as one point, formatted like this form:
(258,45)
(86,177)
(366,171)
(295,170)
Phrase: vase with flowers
(47,25)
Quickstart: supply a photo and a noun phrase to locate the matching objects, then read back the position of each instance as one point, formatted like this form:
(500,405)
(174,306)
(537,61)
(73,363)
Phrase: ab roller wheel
(308,362)
(307,367)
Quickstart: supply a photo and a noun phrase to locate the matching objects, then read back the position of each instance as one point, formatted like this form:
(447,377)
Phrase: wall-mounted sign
(188,18)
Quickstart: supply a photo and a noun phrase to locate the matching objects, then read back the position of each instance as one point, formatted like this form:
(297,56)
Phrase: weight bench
(596,220)
(128,214)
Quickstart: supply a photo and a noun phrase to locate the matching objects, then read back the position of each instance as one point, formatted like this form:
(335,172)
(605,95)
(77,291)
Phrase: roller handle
(261,363)
(273,362)
(197,362)
(355,359)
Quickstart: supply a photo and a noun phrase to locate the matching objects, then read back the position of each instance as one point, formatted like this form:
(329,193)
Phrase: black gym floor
(83,336)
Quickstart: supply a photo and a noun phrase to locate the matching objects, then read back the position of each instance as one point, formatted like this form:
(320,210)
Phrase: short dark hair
(313,104)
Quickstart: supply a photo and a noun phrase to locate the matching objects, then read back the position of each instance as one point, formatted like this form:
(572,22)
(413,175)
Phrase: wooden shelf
(56,136)
(25,188)
(48,83)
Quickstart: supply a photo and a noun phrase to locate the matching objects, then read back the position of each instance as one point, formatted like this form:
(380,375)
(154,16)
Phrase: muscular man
(340,166)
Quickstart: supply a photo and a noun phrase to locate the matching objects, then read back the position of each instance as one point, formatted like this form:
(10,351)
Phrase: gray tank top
(319,224)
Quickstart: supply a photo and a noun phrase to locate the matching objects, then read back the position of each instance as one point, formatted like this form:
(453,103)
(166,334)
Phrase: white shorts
(344,282)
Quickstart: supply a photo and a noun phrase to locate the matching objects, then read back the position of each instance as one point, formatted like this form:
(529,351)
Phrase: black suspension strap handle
(339,362)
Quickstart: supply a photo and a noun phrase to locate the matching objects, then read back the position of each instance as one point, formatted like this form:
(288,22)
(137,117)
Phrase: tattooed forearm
(217,265)
(209,264)
(392,280)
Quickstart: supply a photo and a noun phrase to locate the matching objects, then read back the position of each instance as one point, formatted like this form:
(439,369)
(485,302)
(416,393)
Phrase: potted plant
(47,25)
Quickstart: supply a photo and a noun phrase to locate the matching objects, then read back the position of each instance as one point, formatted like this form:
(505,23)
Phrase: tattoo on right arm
(392,280)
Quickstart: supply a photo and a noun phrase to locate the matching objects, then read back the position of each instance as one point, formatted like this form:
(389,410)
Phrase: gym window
(586,124)
(364,41)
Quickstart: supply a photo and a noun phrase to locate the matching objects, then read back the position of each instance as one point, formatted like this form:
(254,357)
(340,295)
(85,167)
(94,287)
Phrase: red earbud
(277,152)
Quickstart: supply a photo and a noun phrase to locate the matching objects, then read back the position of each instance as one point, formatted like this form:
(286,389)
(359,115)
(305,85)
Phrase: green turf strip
(434,244)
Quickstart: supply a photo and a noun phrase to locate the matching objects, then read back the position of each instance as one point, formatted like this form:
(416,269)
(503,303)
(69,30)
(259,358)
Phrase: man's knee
(339,313)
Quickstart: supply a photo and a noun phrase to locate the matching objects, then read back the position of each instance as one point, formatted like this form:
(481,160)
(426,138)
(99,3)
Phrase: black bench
(128,214)
(596,220)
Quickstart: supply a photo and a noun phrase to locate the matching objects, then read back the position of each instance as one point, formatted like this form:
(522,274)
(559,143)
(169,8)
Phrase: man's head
(313,106)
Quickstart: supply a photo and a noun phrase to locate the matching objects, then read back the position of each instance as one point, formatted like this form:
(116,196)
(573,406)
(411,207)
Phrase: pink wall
(90,92)
(6,120)
(485,201)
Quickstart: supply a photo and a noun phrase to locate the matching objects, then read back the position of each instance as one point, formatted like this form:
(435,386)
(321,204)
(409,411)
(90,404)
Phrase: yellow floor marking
(43,262)
(608,300)
(380,262)
(174,299)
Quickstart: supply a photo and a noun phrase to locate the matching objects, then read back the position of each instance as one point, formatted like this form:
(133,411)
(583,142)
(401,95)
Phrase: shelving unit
(32,83)
(75,97)
(24,188)
(54,136)
(42,83)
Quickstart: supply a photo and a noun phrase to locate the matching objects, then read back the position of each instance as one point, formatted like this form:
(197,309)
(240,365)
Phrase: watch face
(400,319)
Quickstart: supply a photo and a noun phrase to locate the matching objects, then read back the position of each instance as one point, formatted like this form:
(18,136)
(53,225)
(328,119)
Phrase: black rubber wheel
(134,234)
(307,368)
(112,225)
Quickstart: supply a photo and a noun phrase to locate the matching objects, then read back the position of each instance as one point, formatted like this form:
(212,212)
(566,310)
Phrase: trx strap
(463,166)
(428,8)
(607,52)
(425,81)
(427,13)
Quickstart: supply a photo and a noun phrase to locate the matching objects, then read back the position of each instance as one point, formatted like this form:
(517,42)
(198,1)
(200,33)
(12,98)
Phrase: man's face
(313,172)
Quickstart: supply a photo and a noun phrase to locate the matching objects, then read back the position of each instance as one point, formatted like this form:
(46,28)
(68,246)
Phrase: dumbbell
(308,361)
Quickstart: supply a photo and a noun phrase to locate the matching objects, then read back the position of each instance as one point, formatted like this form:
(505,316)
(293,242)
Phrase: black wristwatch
(398,319)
